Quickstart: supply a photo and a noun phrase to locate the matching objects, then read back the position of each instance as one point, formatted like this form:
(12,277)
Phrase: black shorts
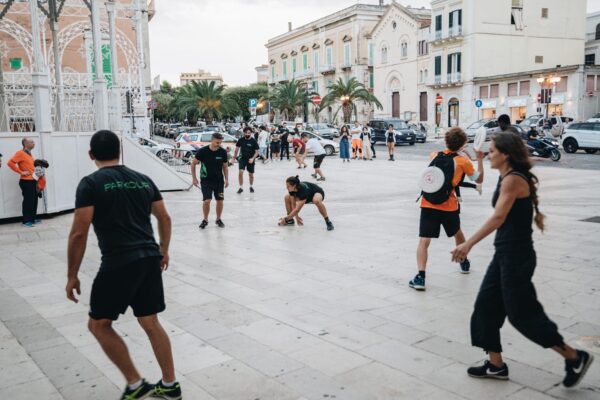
(212,189)
(245,164)
(318,161)
(275,148)
(137,285)
(431,220)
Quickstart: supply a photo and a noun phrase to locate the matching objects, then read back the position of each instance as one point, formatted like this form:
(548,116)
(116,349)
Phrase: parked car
(522,132)
(420,132)
(191,142)
(404,134)
(330,146)
(326,131)
(491,125)
(173,130)
(554,125)
(595,118)
(531,120)
(584,136)
(160,150)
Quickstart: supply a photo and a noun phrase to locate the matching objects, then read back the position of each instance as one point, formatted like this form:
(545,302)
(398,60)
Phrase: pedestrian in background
(345,144)
(22,164)
(356,143)
(365,138)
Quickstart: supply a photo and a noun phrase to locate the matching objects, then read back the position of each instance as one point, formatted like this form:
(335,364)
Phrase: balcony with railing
(347,66)
(282,78)
(454,77)
(303,74)
(455,31)
(437,80)
(327,69)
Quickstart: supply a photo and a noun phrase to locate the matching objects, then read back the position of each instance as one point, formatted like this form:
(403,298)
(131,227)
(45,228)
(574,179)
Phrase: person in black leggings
(507,290)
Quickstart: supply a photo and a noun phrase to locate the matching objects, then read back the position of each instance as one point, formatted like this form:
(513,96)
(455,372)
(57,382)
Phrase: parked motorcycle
(547,148)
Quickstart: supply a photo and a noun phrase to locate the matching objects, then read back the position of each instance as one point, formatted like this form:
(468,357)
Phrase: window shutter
(458,61)
(451,20)
(449,63)
(460,17)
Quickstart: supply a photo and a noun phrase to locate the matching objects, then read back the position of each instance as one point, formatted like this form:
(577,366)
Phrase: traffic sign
(252,103)
(317,100)
(478,103)
(152,104)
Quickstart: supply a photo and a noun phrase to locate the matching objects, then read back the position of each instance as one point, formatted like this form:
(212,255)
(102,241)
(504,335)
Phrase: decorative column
(100,95)
(114,95)
(39,76)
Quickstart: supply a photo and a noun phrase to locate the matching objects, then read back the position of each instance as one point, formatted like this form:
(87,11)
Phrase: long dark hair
(293,180)
(518,158)
(344,128)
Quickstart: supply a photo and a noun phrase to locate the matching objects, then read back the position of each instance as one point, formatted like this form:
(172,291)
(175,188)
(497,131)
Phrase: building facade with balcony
(400,61)
(321,52)
(200,76)
(475,44)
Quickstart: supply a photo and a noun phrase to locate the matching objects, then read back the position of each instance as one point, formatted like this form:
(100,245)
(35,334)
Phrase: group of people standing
(360,140)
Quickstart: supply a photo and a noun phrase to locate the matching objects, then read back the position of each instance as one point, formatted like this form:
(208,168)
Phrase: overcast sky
(227,37)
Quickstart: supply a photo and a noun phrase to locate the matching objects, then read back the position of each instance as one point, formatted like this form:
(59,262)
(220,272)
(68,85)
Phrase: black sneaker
(321,179)
(167,392)
(465,266)
(314,175)
(251,189)
(203,224)
(240,190)
(417,283)
(220,223)
(489,370)
(329,225)
(576,370)
(141,392)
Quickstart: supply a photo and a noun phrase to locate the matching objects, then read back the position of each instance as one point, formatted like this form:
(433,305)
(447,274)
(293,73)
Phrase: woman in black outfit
(301,193)
(507,290)
(390,139)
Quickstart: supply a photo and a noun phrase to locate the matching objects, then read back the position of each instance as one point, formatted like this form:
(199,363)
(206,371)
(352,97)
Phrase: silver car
(330,146)
(491,125)
(326,131)
(160,150)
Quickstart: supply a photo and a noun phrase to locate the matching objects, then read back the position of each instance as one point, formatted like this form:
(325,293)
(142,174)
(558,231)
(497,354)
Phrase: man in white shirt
(314,145)
(356,142)
(263,143)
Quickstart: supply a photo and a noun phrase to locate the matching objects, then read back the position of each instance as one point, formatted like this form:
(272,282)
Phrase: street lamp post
(544,84)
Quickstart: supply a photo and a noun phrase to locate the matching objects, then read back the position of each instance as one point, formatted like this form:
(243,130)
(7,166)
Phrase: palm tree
(289,97)
(347,93)
(203,100)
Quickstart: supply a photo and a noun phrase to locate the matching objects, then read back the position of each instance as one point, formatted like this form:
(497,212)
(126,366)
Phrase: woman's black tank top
(517,226)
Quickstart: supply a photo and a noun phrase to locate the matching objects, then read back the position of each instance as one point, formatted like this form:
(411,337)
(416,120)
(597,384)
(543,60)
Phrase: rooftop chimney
(289,26)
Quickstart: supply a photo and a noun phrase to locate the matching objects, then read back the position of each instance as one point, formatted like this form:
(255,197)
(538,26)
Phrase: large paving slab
(255,311)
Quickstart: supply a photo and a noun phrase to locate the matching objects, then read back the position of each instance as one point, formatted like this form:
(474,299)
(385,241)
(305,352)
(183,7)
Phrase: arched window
(425,76)
(404,50)
(384,54)
(421,76)
(598,32)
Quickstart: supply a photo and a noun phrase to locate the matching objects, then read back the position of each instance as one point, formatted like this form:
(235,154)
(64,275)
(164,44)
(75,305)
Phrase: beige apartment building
(502,53)
(262,73)
(321,52)
(200,76)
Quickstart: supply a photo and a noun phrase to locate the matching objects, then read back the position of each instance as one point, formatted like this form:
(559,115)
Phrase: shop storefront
(488,109)
(556,106)
(517,109)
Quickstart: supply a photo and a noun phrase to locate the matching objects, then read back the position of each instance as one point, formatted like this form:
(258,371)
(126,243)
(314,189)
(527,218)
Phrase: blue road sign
(478,103)
(252,103)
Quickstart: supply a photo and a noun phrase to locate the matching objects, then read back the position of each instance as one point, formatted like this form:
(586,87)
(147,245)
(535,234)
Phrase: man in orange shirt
(22,164)
(434,215)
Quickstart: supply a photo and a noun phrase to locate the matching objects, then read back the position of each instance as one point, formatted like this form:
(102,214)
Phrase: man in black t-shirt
(301,193)
(118,202)
(247,148)
(214,177)
(284,134)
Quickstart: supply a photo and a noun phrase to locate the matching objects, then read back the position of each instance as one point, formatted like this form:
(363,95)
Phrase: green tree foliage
(347,94)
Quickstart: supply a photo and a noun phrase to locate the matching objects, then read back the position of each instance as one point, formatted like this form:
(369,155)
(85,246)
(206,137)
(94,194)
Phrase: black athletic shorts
(318,160)
(245,164)
(137,285)
(212,189)
(431,220)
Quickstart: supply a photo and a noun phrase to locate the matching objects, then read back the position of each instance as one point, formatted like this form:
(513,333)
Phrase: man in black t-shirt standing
(214,176)
(118,202)
(284,134)
(247,148)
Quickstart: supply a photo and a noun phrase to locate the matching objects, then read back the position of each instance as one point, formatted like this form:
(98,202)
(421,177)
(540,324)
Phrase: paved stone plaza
(260,312)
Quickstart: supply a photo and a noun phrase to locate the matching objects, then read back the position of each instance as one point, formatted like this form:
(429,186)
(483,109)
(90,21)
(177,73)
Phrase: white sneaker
(479,188)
